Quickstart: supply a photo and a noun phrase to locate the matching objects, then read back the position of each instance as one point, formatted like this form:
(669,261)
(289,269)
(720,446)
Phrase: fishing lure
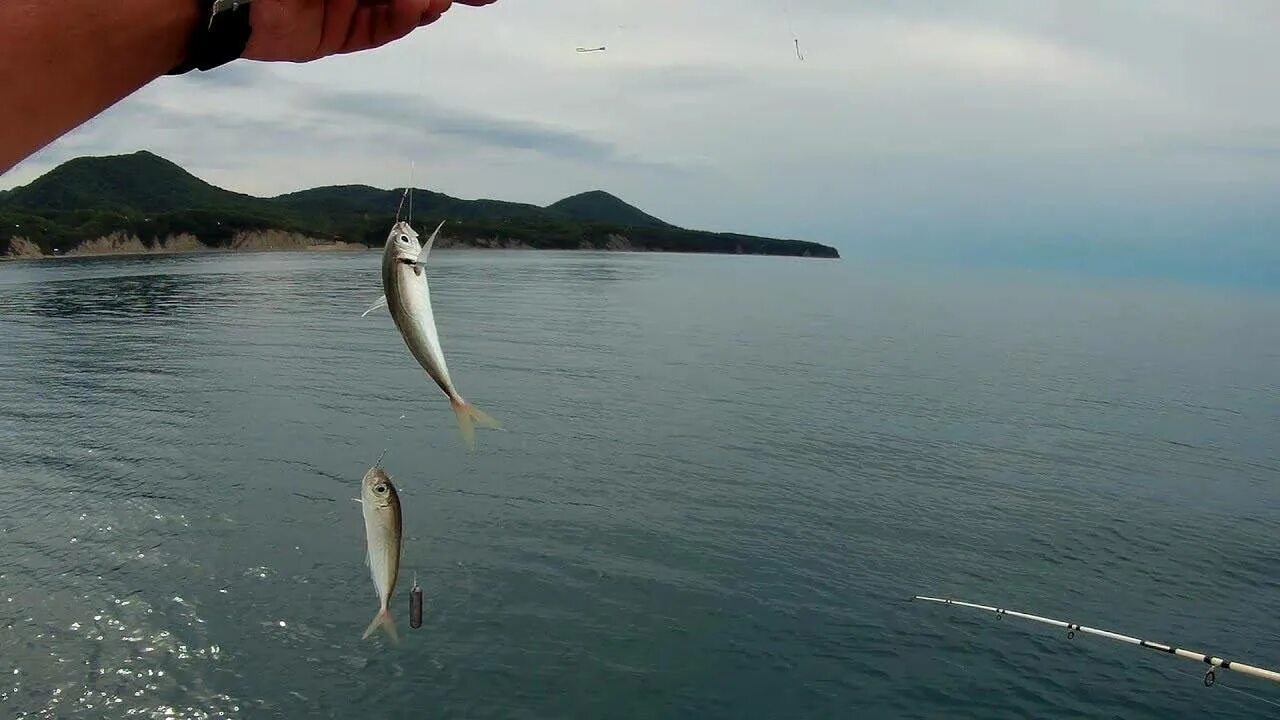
(415,604)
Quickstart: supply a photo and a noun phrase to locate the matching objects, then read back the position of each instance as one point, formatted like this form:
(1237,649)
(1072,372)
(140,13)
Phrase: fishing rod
(1210,677)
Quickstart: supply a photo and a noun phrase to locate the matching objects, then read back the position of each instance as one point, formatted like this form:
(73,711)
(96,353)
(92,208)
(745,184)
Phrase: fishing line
(422,110)
(786,11)
(946,630)
(517,498)
(1224,686)
(400,209)
(1246,693)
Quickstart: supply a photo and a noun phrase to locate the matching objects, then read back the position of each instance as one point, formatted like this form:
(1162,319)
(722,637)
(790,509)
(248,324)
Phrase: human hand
(303,30)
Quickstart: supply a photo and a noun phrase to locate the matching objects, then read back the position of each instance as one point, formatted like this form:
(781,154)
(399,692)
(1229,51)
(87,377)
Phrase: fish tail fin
(469,416)
(383,620)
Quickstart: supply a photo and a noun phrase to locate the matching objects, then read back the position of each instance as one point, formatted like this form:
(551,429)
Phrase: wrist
(174,23)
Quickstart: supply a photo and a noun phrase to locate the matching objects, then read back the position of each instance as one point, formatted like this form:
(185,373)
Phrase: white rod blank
(1213,662)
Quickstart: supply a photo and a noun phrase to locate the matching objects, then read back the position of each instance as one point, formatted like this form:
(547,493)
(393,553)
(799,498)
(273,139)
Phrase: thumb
(434,10)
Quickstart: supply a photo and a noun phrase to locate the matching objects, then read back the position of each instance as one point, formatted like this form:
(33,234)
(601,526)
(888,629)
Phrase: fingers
(409,14)
(425,12)
(399,19)
(374,23)
(438,9)
(302,30)
(337,25)
(433,11)
(362,30)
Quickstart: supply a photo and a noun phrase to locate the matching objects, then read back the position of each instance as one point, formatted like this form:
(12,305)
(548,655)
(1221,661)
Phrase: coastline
(350,248)
(116,245)
(121,245)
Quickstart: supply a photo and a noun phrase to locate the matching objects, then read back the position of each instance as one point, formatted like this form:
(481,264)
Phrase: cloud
(908,122)
(380,111)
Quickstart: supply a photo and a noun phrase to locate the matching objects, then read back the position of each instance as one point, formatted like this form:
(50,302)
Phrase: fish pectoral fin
(381,302)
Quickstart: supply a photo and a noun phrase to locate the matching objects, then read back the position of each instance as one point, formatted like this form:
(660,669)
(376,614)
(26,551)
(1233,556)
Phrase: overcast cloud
(1078,131)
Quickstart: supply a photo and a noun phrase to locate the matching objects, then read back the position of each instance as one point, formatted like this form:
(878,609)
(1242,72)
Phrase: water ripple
(720,480)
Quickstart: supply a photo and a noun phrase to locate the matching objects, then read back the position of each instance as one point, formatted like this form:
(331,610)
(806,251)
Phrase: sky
(1124,137)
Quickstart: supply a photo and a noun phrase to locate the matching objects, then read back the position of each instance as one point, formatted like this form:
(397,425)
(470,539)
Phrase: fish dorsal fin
(426,247)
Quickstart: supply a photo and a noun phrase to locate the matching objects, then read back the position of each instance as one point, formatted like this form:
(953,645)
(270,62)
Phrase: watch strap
(220,39)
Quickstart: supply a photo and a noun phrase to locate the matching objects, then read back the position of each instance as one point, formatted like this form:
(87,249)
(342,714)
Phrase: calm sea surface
(720,481)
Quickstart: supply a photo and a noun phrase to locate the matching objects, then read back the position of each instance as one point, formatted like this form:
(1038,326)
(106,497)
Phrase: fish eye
(380,489)
(404,240)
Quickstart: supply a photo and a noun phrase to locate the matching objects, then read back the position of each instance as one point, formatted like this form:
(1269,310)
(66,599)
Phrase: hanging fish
(404,282)
(380,504)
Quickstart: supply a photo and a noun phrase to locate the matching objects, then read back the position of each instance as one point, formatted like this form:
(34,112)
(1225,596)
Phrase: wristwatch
(221,39)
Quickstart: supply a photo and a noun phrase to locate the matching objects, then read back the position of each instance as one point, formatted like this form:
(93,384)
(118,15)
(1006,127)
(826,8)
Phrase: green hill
(145,196)
(339,200)
(601,207)
(141,181)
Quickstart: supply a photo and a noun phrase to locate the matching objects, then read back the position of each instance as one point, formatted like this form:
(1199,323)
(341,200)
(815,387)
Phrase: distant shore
(122,244)
(142,204)
(330,248)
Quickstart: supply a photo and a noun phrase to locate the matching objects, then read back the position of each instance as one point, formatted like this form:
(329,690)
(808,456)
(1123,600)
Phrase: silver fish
(404,280)
(381,508)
